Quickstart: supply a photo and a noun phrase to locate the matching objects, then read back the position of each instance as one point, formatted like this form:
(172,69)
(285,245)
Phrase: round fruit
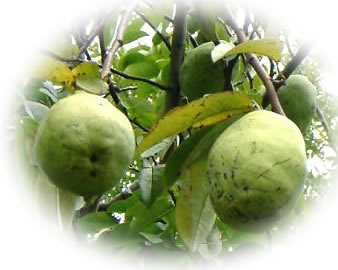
(298,100)
(199,75)
(85,144)
(256,170)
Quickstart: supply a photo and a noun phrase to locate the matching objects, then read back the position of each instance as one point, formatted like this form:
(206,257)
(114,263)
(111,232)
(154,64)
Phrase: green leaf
(66,204)
(95,85)
(143,69)
(31,91)
(152,238)
(88,78)
(123,205)
(213,245)
(220,50)
(146,216)
(131,57)
(140,110)
(163,145)
(268,47)
(203,146)
(195,216)
(36,110)
(95,222)
(175,163)
(205,111)
(133,31)
(151,183)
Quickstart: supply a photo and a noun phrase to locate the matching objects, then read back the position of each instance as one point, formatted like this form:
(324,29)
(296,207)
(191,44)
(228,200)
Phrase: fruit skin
(256,170)
(84,145)
(298,100)
(199,75)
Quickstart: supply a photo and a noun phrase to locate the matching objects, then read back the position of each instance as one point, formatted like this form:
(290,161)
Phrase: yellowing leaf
(86,70)
(269,47)
(204,111)
(88,78)
(54,70)
(195,216)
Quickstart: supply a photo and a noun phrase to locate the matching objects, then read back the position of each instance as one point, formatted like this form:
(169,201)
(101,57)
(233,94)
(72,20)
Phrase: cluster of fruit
(255,168)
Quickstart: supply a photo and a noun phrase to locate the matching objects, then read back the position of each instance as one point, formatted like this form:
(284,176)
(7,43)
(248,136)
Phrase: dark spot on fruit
(278,189)
(93,173)
(253,148)
(94,157)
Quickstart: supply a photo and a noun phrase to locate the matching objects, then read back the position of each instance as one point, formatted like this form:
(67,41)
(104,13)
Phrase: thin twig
(102,47)
(325,126)
(118,41)
(95,31)
(220,21)
(128,88)
(124,194)
(113,90)
(253,61)
(303,51)
(130,77)
(177,54)
(60,58)
(161,36)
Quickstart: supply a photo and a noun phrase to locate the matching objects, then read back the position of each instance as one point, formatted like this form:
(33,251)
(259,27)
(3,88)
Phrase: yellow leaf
(86,70)
(204,111)
(269,47)
(55,71)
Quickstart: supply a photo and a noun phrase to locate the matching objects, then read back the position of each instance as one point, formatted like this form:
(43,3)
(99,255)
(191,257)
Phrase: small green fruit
(255,170)
(199,75)
(298,100)
(85,144)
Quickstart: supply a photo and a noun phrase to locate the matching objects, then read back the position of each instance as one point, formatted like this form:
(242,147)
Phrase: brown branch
(60,58)
(177,55)
(325,126)
(254,62)
(95,31)
(130,77)
(118,41)
(102,47)
(124,194)
(303,51)
(162,37)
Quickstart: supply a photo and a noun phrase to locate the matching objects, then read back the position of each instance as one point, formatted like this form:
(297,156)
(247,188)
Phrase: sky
(28,241)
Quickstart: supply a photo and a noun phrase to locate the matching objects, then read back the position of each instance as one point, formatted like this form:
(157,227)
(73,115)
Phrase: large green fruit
(256,170)
(298,100)
(199,75)
(85,144)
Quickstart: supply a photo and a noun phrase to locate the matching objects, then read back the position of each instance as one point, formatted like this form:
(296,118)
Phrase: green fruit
(256,170)
(85,144)
(298,100)
(199,75)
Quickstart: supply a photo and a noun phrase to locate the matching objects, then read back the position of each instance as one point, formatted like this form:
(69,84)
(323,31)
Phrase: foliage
(168,208)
